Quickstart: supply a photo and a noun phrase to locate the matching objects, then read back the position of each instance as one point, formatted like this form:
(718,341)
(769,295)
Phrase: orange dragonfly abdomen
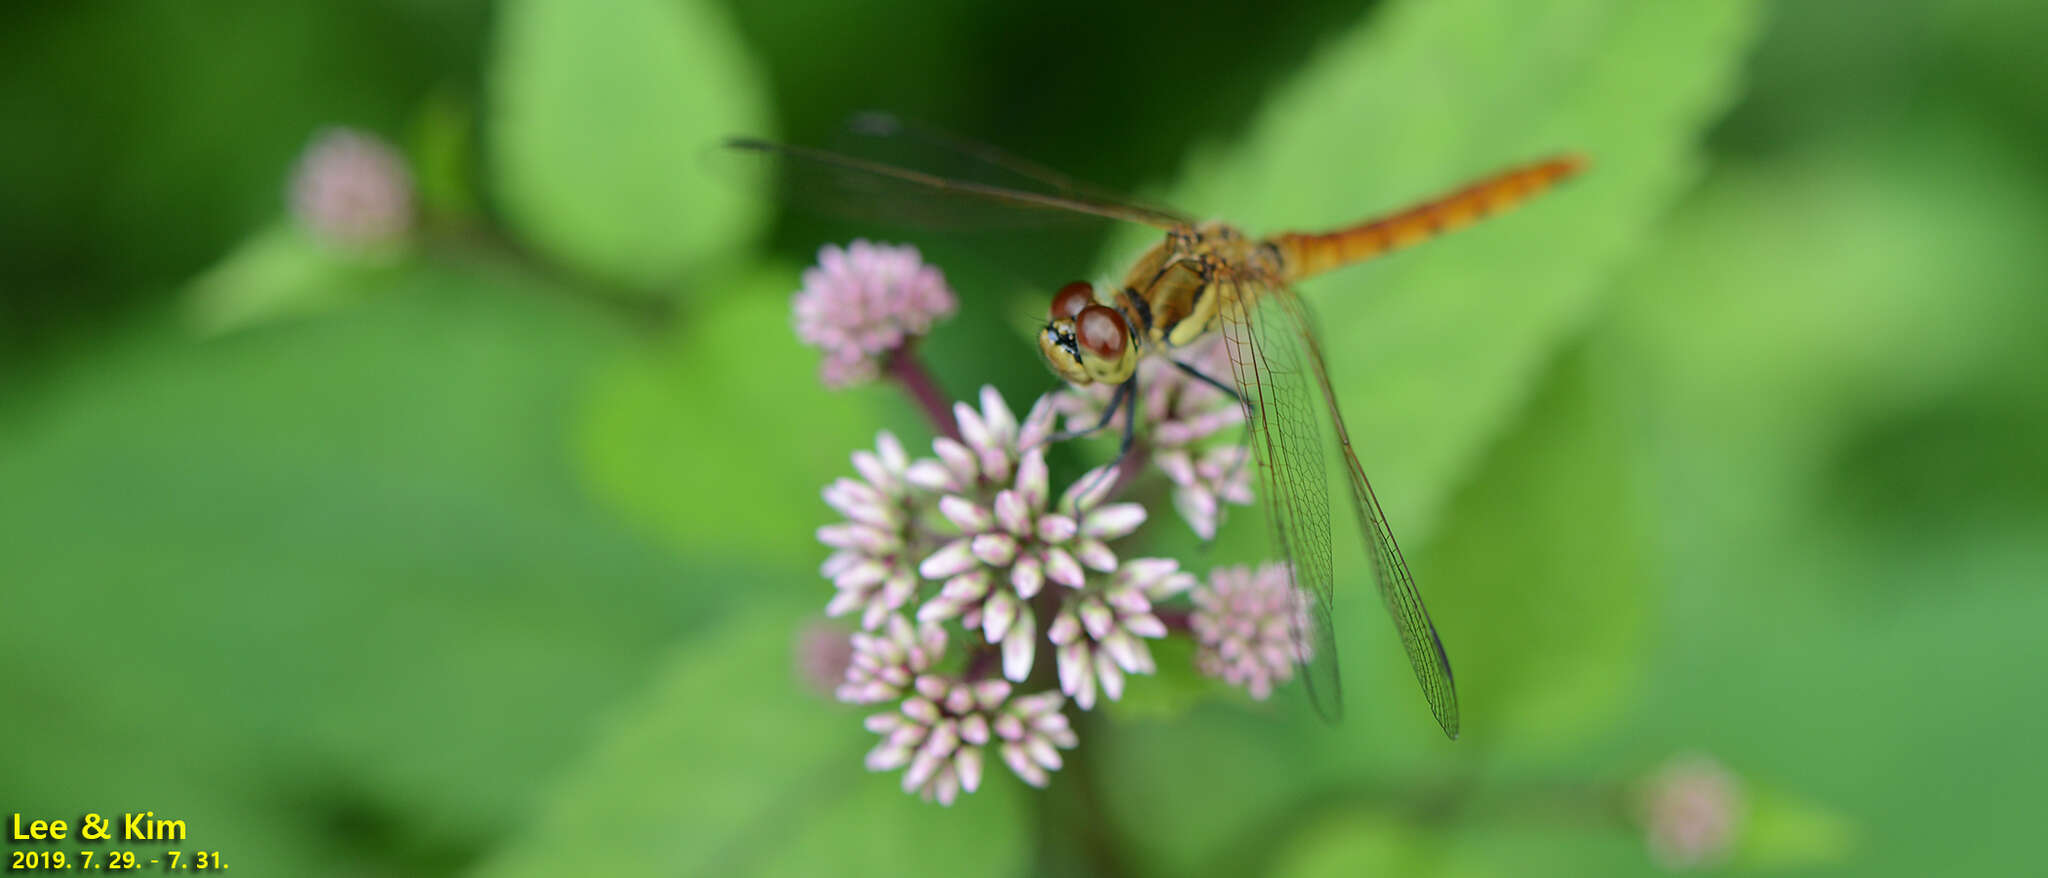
(1306,255)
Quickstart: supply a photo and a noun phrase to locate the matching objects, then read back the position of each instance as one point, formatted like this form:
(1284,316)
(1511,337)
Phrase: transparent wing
(1280,352)
(893,171)
(1272,375)
(904,143)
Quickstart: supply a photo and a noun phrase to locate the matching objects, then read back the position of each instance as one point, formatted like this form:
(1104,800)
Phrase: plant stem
(1178,621)
(909,371)
(1128,467)
(984,660)
(1078,815)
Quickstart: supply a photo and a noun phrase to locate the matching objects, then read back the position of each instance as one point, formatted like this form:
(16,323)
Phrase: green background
(492,556)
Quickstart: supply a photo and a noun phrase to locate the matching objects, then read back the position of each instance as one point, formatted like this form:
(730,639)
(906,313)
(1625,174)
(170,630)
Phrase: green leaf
(1532,835)
(1201,793)
(720,437)
(1175,689)
(279,273)
(442,145)
(1544,562)
(1834,362)
(345,561)
(1858,283)
(602,117)
(727,766)
(1781,831)
(1365,842)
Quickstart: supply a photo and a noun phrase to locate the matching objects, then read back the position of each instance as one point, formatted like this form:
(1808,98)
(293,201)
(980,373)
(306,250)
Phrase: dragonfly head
(1085,341)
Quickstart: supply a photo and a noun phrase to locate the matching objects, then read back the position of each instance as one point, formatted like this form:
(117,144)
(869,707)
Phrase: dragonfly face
(1085,341)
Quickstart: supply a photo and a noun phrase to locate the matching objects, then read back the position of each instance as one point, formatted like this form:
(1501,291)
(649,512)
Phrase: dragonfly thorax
(1174,292)
(1169,299)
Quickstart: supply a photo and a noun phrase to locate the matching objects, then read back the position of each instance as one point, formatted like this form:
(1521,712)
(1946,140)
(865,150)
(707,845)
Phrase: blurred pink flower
(823,653)
(1247,627)
(1205,480)
(863,302)
(1691,809)
(351,190)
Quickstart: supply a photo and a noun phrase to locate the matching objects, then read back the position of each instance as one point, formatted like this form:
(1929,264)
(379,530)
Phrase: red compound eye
(1072,298)
(1100,331)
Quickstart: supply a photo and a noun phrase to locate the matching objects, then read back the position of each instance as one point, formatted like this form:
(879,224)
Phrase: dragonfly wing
(865,187)
(1272,370)
(1285,315)
(905,143)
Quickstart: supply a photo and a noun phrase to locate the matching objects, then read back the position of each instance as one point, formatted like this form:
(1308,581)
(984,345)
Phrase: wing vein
(1419,638)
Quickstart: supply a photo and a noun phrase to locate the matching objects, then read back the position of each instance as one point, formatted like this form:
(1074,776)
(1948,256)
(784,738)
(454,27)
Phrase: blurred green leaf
(1845,68)
(1538,838)
(339,570)
(1174,690)
(1545,560)
(1781,831)
(602,118)
(442,146)
(1202,793)
(1833,359)
(720,437)
(1360,842)
(279,273)
(149,141)
(1886,301)
(728,767)
(1509,831)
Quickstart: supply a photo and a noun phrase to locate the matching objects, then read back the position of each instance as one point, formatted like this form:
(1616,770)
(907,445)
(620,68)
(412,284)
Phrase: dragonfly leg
(1127,397)
(1245,435)
(1123,449)
(1116,401)
(1203,377)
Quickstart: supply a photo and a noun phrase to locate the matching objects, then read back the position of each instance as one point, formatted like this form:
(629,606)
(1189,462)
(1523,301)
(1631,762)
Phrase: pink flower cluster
(352,190)
(860,304)
(971,579)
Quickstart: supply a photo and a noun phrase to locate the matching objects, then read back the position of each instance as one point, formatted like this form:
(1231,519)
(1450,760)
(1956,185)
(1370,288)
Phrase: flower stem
(1128,467)
(984,660)
(1177,621)
(1075,831)
(908,370)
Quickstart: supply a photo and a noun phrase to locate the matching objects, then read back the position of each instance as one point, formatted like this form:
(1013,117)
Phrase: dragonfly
(1203,279)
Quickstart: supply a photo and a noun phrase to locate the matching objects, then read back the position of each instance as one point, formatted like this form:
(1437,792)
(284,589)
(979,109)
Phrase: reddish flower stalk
(908,370)
(1177,621)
